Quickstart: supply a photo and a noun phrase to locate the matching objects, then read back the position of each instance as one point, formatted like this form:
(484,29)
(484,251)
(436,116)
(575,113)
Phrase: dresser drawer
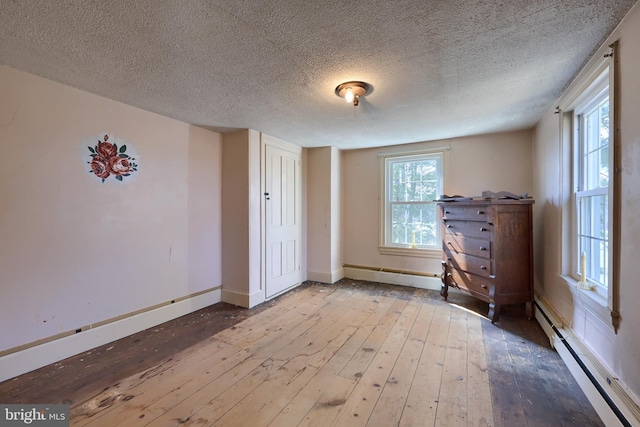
(478,230)
(472,264)
(465,281)
(469,246)
(471,213)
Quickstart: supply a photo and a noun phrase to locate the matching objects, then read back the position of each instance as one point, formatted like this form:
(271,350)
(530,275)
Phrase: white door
(282,220)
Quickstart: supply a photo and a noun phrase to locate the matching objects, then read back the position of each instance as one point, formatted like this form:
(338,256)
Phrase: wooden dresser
(488,251)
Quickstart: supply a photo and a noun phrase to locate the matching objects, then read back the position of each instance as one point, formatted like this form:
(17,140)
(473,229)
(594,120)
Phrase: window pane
(592,123)
(426,191)
(603,122)
(594,219)
(593,236)
(596,252)
(416,219)
(414,180)
(604,167)
(596,147)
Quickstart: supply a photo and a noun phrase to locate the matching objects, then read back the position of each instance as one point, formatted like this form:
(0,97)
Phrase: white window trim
(436,252)
(594,95)
(589,83)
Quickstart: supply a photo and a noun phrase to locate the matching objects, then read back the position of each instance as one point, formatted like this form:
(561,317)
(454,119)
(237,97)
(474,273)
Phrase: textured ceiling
(439,69)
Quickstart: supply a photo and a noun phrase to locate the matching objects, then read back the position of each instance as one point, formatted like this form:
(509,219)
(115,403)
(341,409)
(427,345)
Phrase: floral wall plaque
(111,157)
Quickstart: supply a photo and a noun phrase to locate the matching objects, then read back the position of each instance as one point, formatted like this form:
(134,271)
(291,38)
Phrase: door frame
(296,149)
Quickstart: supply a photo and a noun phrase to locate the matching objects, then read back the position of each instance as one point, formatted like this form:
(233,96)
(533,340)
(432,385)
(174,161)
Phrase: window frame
(592,98)
(385,247)
(603,303)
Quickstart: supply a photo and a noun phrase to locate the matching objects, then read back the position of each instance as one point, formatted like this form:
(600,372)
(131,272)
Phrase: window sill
(420,253)
(596,302)
(592,294)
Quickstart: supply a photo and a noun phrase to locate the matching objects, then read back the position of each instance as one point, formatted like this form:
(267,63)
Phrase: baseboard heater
(605,396)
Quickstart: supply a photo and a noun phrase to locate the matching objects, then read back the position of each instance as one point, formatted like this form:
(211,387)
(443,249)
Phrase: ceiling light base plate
(358,88)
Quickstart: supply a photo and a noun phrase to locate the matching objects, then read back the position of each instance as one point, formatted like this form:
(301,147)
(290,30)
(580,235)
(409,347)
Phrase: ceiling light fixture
(352,91)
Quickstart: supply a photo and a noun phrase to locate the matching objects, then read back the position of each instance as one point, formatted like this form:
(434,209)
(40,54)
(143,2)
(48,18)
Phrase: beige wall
(324,231)
(75,251)
(496,162)
(619,353)
(336,214)
(235,212)
(319,213)
(241,216)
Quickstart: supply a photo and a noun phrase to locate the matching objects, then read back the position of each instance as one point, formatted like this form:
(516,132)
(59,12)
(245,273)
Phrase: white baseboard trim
(242,299)
(332,277)
(29,359)
(402,279)
(613,404)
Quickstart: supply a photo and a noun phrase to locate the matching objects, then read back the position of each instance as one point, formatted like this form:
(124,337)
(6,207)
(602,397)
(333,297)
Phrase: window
(590,186)
(412,183)
(592,190)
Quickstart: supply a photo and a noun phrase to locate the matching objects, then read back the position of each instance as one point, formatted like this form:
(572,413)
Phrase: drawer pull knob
(483,229)
(484,286)
(480,212)
(447,212)
(449,226)
(484,267)
(482,248)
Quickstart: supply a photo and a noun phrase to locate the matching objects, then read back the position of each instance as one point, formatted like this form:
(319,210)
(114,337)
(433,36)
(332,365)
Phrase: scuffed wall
(75,251)
(620,352)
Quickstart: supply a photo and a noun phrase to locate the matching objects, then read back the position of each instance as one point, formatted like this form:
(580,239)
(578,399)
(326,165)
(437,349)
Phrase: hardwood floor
(353,353)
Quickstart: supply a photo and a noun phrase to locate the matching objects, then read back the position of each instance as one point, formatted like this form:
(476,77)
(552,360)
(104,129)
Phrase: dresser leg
(494,312)
(530,310)
(444,291)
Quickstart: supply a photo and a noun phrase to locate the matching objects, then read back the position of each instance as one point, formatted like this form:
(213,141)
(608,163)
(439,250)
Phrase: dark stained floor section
(530,384)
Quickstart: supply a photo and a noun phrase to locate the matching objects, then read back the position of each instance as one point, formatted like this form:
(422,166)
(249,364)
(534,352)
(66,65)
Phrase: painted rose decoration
(109,160)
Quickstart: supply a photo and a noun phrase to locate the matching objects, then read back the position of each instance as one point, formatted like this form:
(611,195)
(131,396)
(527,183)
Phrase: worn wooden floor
(349,354)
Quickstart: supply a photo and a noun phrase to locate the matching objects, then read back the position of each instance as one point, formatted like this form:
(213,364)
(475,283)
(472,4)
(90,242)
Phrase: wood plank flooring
(349,354)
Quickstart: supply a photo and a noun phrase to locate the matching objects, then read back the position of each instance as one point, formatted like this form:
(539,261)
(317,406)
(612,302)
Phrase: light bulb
(348,95)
